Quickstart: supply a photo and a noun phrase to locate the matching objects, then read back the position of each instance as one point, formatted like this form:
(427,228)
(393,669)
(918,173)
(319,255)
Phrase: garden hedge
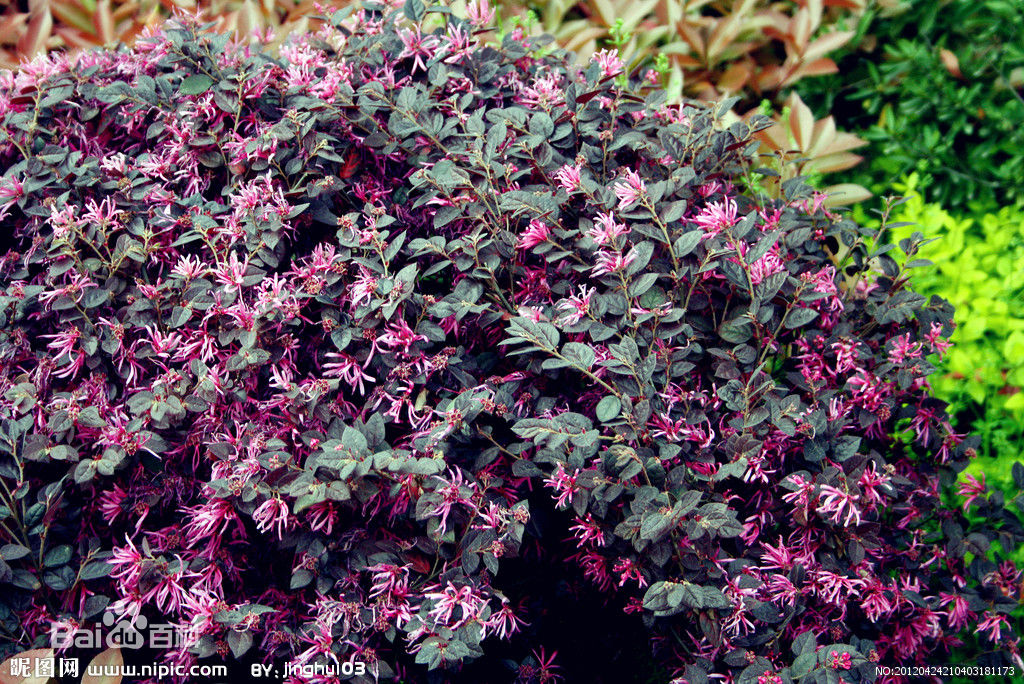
(306,353)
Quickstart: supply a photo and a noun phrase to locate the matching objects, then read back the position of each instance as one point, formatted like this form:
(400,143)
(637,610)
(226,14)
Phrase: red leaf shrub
(290,351)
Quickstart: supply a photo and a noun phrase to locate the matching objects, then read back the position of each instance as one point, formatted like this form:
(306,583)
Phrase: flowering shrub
(303,355)
(31,28)
(754,49)
(976,259)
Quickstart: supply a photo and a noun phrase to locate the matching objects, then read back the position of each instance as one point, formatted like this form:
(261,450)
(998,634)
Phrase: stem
(646,201)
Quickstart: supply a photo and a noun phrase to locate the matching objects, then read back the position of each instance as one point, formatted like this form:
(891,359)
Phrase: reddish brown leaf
(801,121)
(40,26)
(952,64)
(103,22)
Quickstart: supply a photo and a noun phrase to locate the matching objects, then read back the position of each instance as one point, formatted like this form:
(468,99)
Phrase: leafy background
(870,98)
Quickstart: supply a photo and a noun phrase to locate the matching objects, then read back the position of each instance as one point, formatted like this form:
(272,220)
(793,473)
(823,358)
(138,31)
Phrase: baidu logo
(114,633)
(125,634)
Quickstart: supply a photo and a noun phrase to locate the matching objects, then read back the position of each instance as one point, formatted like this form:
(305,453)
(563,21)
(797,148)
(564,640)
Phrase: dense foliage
(695,48)
(708,48)
(977,267)
(29,28)
(306,353)
(941,93)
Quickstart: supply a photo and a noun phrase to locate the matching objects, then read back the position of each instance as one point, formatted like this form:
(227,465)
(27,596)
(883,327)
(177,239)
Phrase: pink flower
(587,530)
(677,430)
(838,504)
(934,339)
(362,288)
(231,273)
(629,570)
(629,189)
(272,513)
(398,337)
(609,62)
(480,13)
(1006,578)
(535,234)
(869,390)
(103,214)
(127,607)
(11,191)
(459,48)
(189,268)
(606,230)
(162,343)
(64,344)
(532,312)
(769,264)
(576,306)
(972,489)
(546,669)
(503,621)
(348,369)
(770,220)
(417,46)
(388,578)
(840,661)
(321,640)
(564,485)
(612,262)
(209,519)
(815,204)
(716,217)
(666,428)
(127,562)
(993,623)
(959,613)
(595,568)
(568,177)
(111,502)
(876,602)
(322,517)
(200,344)
(801,497)
(710,188)
(846,355)
(824,281)
(777,558)
(833,587)
(468,602)
(781,590)
(922,423)
(259,198)
(545,91)
(456,490)
(62,220)
(201,608)
(168,593)
(902,349)
(871,483)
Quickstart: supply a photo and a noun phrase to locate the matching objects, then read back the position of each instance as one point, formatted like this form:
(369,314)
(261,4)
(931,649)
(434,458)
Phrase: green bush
(936,88)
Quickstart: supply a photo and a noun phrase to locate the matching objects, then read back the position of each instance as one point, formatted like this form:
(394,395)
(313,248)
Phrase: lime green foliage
(979,267)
